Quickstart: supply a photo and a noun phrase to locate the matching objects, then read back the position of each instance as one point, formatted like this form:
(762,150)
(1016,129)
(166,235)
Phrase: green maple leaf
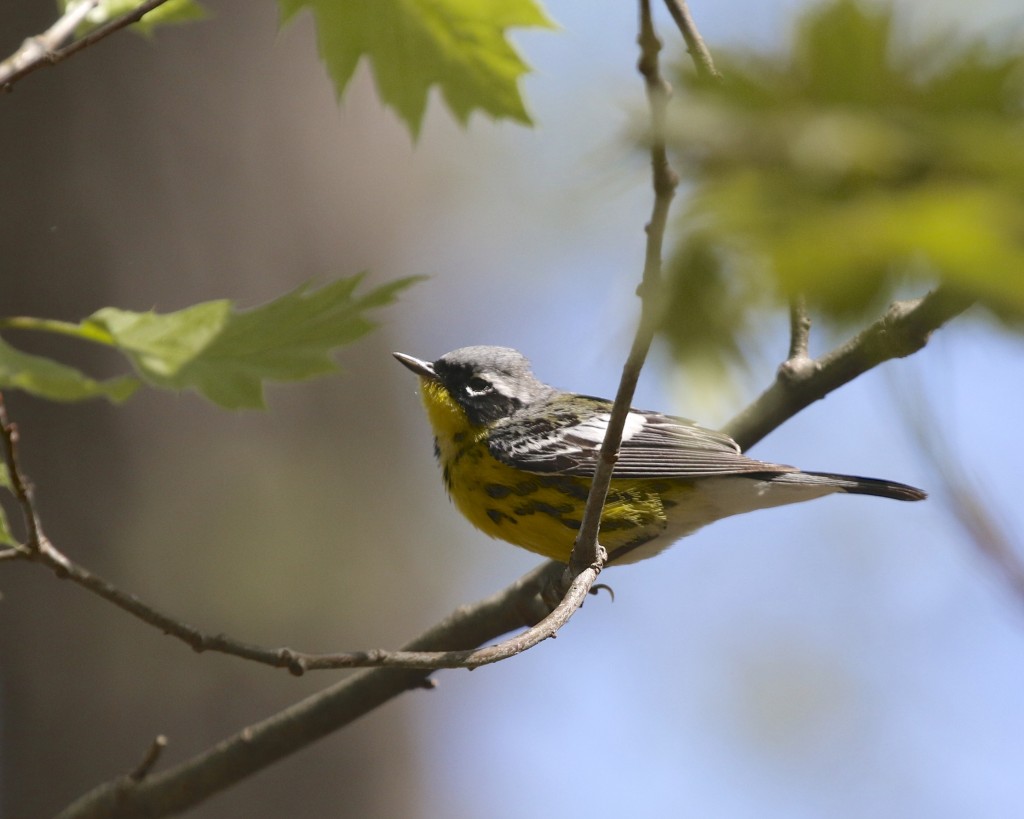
(57,382)
(227,354)
(223,353)
(458,45)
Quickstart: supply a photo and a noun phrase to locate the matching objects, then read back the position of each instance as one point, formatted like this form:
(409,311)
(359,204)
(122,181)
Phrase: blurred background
(848,658)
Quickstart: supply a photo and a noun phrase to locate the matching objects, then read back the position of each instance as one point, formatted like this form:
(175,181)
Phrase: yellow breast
(541,513)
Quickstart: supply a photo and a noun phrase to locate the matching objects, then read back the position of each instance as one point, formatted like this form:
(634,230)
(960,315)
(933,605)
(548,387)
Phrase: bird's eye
(478,386)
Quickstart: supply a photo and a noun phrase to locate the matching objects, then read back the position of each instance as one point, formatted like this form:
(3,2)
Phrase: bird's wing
(551,439)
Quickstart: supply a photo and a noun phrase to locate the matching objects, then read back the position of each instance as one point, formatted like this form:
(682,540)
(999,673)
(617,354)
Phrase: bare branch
(903,330)
(664,181)
(42,50)
(695,44)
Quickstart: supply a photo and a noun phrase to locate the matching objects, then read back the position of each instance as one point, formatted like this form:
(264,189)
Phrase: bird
(518,456)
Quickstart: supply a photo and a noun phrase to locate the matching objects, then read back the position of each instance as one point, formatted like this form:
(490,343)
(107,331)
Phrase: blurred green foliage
(852,167)
(411,45)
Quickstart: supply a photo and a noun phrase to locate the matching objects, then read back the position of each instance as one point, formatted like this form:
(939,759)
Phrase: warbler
(518,457)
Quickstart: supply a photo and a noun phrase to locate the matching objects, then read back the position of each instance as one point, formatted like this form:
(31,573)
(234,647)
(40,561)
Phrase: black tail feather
(855,485)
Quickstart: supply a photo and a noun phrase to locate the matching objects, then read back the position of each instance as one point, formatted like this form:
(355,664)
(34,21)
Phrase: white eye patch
(477,387)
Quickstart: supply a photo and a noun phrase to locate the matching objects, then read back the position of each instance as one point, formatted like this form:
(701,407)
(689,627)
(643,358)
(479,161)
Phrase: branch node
(296,665)
(796,370)
(893,330)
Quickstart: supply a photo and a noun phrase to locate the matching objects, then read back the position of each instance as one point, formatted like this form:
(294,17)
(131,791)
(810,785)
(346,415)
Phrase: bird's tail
(854,485)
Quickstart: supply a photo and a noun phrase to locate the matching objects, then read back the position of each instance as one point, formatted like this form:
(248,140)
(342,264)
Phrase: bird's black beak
(424,369)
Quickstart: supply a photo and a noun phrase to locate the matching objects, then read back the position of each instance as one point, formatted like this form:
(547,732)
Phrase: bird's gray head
(489,383)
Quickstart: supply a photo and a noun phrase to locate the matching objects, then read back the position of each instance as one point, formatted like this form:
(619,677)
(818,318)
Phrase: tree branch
(263,743)
(903,330)
(43,49)
(664,182)
(695,44)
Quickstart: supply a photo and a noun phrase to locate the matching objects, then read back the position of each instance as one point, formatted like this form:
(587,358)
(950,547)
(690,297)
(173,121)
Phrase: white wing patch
(594,428)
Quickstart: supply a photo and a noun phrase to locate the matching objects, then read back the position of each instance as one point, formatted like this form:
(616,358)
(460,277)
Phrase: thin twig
(695,44)
(17,65)
(150,759)
(903,330)
(474,658)
(799,329)
(40,550)
(263,743)
(36,541)
(664,181)
(798,363)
